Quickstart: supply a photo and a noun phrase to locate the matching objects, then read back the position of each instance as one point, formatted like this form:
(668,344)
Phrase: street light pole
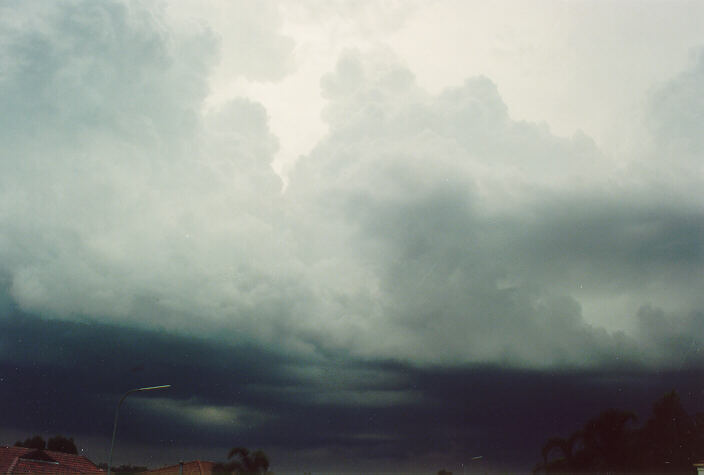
(478,457)
(117,411)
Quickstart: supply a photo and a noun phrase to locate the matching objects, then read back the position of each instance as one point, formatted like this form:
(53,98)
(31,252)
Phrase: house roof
(194,467)
(15,460)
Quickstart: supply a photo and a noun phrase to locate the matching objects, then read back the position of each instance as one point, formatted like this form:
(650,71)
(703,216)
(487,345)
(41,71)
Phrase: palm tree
(566,447)
(608,441)
(604,443)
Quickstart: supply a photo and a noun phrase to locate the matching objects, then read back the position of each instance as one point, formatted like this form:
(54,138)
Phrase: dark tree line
(59,443)
(670,441)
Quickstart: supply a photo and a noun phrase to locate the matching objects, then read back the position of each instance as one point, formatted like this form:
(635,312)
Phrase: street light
(117,411)
(478,457)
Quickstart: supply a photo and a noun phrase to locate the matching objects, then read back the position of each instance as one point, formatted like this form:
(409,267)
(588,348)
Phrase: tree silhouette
(36,442)
(62,444)
(244,463)
(58,443)
(607,442)
(566,448)
(670,441)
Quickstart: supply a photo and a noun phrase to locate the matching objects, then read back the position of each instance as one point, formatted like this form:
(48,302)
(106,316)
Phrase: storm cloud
(427,240)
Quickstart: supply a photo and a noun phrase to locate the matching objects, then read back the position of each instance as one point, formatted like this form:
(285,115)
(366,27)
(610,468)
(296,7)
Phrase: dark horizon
(504,415)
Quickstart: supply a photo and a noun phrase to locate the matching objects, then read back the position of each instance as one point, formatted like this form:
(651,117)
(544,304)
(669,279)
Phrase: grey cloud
(430,229)
(477,233)
(670,147)
(103,66)
(431,256)
(675,113)
(232,417)
(120,200)
(675,338)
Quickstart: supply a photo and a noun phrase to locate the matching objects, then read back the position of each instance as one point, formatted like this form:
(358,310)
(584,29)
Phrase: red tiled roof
(195,467)
(14,460)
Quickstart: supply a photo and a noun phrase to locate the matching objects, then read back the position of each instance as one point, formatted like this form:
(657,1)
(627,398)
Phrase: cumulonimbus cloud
(425,228)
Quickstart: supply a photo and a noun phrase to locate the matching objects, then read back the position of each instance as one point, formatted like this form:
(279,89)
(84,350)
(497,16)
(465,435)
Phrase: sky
(360,235)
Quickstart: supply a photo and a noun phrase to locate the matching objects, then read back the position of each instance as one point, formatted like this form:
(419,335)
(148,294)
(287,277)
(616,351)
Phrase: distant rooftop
(194,467)
(16,460)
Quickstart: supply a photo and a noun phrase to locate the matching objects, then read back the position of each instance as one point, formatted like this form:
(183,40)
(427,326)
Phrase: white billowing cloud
(424,227)
(251,43)
(575,65)
(316,31)
(406,177)
(674,124)
(475,237)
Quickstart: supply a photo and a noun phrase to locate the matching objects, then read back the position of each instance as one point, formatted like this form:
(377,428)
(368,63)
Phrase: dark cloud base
(66,377)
